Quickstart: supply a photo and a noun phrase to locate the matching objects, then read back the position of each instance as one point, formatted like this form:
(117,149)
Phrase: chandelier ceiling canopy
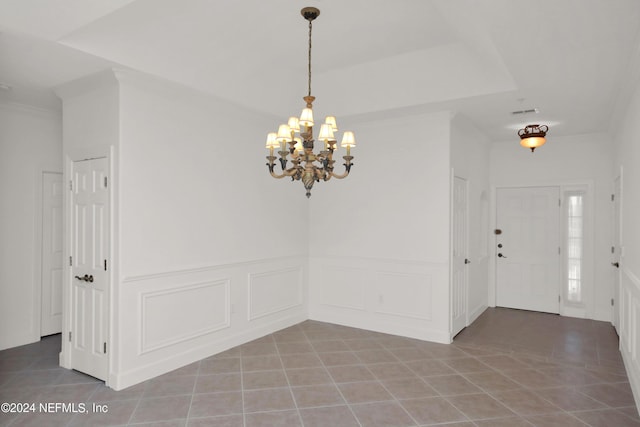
(295,139)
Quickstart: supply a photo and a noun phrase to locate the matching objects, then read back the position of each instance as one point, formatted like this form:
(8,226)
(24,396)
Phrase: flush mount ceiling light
(300,150)
(533,136)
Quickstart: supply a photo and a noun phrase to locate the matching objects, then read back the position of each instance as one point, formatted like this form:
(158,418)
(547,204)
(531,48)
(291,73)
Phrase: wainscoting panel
(626,314)
(392,296)
(344,287)
(208,311)
(170,319)
(274,291)
(630,329)
(402,294)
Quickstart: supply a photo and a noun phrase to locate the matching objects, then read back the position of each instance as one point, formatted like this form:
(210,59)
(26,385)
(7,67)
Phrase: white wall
(470,160)
(201,218)
(203,236)
(561,161)
(30,143)
(379,239)
(628,157)
(194,181)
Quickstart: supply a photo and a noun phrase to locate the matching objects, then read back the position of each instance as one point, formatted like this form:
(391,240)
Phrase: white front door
(460,255)
(89,250)
(615,252)
(51,280)
(528,248)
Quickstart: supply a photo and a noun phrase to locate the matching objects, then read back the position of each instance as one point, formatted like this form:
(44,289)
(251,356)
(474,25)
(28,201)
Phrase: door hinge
(559,298)
(70,185)
(105,182)
(69,336)
(558,250)
(613,249)
(70,261)
(105,348)
(559,202)
(105,265)
(613,196)
(612,303)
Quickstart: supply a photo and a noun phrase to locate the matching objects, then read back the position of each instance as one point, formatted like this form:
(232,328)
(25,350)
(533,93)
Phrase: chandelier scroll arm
(288,173)
(347,167)
(339,176)
(285,172)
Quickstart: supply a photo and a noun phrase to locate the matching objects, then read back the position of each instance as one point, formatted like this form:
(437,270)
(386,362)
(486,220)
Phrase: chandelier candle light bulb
(308,167)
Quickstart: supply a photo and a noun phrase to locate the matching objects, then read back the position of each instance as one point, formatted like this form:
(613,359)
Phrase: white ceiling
(571,59)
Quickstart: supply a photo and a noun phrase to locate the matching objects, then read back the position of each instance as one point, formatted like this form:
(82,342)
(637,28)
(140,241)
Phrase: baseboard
(475,313)
(632,374)
(383,326)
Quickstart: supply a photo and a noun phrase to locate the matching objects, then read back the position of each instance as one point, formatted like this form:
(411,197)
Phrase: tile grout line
(402,363)
(244,413)
(295,404)
(347,404)
(193,393)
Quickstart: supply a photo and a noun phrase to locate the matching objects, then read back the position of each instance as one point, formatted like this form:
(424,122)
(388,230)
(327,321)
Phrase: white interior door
(615,252)
(528,248)
(460,255)
(51,280)
(89,249)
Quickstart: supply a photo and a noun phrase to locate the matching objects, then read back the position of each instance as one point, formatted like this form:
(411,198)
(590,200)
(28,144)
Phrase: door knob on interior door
(616,264)
(86,278)
(501,256)
(467,261)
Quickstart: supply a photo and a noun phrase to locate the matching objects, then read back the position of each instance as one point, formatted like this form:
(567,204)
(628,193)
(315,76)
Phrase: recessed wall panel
(405,295)
(184,312)
(274,291)
(344,287)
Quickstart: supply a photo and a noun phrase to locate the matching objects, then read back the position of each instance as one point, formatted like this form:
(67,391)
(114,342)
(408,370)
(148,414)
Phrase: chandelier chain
(309,94)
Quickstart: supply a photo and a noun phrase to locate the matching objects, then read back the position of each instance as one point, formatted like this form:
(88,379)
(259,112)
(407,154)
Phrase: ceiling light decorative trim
(533,136)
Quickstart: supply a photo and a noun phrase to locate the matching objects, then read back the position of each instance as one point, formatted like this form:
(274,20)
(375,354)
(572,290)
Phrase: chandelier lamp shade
(533,136)
(295,142)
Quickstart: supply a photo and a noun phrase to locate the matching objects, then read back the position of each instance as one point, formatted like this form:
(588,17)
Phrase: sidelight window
(574,202)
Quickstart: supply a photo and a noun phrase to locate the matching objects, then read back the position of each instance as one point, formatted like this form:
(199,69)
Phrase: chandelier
(295,139)
(532,136)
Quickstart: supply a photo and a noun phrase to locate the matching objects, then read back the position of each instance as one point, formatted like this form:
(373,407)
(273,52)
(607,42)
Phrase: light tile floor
(510,368)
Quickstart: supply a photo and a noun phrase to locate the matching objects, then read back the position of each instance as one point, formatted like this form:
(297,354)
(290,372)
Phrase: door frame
(588,311)
(70,157)
(36,329)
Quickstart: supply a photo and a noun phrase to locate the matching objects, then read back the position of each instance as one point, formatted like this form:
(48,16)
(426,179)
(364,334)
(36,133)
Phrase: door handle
(86,278)
(616,264)
(467,261)
(501,256)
